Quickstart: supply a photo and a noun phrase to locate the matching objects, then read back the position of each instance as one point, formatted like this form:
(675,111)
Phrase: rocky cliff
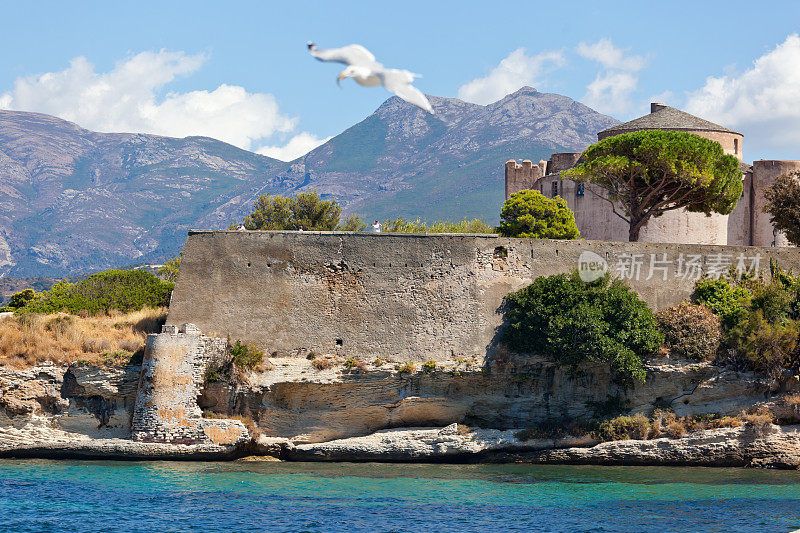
(299,410)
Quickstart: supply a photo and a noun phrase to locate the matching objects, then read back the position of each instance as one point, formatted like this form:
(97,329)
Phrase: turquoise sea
(37,495)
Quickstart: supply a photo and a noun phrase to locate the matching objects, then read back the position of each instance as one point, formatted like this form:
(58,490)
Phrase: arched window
(736,147)
(555,189)
(579,189)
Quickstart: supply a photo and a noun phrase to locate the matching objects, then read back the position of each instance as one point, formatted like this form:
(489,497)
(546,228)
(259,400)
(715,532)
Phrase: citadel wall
(407,297)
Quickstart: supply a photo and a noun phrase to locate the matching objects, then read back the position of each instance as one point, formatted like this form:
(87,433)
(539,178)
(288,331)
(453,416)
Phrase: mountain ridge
(73,200)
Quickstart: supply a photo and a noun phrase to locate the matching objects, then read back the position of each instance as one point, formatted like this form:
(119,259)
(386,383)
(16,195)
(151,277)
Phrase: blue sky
(239,71)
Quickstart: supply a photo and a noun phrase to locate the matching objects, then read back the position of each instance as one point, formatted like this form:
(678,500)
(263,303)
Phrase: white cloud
(516,70)
(611,90)
(128,98)
(297,146)
(762,101)
(611,57)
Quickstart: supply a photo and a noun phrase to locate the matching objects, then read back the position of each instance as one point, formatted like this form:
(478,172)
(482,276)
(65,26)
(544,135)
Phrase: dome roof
(664,117)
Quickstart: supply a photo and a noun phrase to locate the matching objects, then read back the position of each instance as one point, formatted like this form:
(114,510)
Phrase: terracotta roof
(668,118)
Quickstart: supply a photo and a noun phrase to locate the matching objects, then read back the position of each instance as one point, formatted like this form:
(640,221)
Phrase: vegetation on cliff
(648,173)
(759,320)
(120,290)
(529,214)
(690,330)
(111,339)
(573,321)
(783,204)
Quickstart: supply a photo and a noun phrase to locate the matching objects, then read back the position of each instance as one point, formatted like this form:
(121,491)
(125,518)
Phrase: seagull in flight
(362,67)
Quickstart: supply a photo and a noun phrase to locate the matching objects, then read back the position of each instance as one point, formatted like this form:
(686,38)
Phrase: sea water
(37,495)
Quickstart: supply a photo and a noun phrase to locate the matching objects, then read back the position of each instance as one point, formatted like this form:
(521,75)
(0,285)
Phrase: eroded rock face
(296,401)
(81,399)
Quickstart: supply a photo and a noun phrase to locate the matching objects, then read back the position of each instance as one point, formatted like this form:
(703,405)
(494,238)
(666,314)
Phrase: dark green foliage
(123,290)
(651,172)
(529,214)
(306,210)
(572,321)
(783,204)
(690,330)
(19,299)
(245,355)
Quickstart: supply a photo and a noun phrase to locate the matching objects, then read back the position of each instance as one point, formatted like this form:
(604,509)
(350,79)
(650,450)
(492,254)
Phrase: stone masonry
(173,374)
(406,297)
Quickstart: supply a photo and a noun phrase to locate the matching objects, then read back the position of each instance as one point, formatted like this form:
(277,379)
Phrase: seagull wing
(352,54)
(399,82)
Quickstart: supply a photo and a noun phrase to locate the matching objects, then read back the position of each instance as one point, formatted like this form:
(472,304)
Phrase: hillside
(73,200)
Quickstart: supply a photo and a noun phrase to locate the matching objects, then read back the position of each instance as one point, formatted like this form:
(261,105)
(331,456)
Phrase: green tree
(19,299)
(530,214)
(572,321)
(783,205)
(305,210)
(647,173)
(352,223)
(169,272)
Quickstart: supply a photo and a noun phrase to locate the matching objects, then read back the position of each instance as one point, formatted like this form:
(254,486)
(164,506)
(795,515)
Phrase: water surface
(40,495)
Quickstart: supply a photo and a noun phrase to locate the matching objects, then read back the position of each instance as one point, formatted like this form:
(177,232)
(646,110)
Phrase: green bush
(730,302)
(769,347)
(401,225)
(305,210)
(19,299)
(429,367)
(624,427)
(573,321)
(529,214)
(123,290)
(690,330)
(245,356)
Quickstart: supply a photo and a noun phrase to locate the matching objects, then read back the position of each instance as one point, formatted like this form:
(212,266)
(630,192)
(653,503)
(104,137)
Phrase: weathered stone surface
(777,447)
(173,373)
(410,444)
(399,297)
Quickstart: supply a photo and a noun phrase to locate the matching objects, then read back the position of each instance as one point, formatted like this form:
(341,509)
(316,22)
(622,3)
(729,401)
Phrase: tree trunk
(633,232)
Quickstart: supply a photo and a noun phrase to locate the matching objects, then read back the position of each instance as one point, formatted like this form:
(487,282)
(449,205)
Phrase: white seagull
(362,67)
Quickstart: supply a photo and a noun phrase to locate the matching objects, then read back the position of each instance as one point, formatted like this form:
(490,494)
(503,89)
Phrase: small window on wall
(736,147)
(579,189)
(555,189)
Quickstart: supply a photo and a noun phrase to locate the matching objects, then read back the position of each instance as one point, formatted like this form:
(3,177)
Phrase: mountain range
(74,200)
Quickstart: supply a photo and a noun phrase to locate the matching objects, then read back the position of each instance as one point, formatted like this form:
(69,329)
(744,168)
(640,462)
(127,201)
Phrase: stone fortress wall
(173,374)
(406,297)
(747,225)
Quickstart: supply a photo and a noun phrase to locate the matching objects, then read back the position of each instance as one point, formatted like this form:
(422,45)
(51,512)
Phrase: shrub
(769,347)
(572,321)
(357,364)
(730,302)
(322,363)
(169,272)
(529,214)
(406,368)
(624,427)
(19,300)
(352,223)
(691,331)
(401,225)
(122,290)
(245,356)
(429,367)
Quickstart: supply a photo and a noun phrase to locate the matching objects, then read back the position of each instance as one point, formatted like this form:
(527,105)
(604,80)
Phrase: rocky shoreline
(770,447)
(84,412)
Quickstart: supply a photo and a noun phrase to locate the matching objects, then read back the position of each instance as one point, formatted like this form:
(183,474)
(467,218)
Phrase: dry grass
(322,363)
(61,338)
